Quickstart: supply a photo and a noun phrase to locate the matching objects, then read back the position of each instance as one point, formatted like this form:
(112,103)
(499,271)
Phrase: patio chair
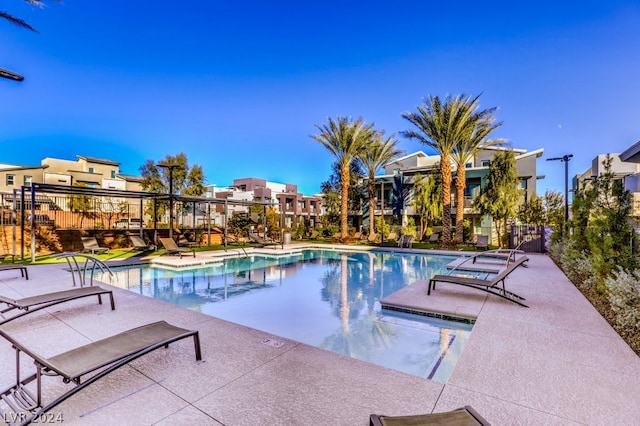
(482,242)
(41,301)
(489,285)
(434,238)
(137,243)
(405,241)
(465,416)
(23,269)
(506,255)
(372,238)
(262,241)
(172,248)
(84,365)
(183,242)
(90,245)
(392,236)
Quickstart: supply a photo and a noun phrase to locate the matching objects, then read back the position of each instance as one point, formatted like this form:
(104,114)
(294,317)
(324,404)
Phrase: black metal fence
(528,238)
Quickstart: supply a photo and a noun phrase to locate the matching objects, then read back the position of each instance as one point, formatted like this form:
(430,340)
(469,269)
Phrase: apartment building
(283,197)
(406,168)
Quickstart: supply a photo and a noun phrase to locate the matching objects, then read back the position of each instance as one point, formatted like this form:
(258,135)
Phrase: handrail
(72,259)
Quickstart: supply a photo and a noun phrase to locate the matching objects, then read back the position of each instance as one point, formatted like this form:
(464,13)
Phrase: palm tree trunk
(344,200)
(445,171)
(461,180)
(372,204)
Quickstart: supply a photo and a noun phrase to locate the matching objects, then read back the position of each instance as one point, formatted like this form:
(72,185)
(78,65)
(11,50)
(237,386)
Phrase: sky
(240,87)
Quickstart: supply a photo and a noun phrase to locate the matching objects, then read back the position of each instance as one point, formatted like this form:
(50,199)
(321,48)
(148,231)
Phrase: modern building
(406,168)
(294,207)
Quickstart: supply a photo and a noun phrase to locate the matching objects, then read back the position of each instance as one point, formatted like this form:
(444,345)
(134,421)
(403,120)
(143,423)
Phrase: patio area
(556,362)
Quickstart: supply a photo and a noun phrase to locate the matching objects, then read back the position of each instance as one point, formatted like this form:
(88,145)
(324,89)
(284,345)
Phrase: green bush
(624,295)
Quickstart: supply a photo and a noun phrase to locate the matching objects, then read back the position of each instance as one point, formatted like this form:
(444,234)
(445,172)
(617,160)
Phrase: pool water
(324,298)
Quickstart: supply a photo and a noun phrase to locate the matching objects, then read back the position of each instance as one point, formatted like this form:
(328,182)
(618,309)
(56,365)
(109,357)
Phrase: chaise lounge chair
(506,255)
(137,243)
(433,238)
(93,361)
(22,268)
(482,242)
(172,248)
(90,245)
(34,303)
(405,241)
(262,241)
(465,416)
(487,285)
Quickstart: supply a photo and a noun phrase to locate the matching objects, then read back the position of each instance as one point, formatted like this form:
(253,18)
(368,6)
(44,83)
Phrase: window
(113,174)
(90,169)
(486,163)
(468,165)
(27,180)
(10,179)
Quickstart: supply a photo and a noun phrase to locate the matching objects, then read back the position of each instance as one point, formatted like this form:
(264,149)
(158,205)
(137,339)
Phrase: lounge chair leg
(196,344)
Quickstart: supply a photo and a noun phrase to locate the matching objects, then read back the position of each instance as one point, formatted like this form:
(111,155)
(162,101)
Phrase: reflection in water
(324,298)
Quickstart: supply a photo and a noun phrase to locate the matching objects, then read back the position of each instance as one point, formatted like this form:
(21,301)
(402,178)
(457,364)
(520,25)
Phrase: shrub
(624,295)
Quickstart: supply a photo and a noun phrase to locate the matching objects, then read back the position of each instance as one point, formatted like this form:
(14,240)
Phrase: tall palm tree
(377,154)
(345,139)
(21,23)
(479,126)
(440,126)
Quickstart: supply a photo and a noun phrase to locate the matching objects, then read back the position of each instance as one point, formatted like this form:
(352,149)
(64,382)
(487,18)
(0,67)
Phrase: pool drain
(272,342)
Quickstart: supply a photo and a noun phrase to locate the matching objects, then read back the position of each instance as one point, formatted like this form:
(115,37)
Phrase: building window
(523,184)
(468,165)
(90,169)
(113,174)
(27,180)
(486,163)
(10,179)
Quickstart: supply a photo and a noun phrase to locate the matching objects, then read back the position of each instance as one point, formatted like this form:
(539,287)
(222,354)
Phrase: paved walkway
(556,362)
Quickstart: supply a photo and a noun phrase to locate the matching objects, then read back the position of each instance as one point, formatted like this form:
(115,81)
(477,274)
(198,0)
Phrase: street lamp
(565,159)
(170,167)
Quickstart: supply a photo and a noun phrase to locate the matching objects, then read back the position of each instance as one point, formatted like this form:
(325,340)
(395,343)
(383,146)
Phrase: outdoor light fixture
(565,159)
(170,167)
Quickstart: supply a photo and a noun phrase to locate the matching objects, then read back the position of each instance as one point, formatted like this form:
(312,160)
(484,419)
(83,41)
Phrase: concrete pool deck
(556,362)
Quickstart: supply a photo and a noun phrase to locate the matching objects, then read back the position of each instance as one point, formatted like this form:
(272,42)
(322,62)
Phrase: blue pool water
(323,298)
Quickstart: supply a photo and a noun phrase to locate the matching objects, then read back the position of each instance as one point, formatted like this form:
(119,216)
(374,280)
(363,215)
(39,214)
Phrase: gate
(528,238)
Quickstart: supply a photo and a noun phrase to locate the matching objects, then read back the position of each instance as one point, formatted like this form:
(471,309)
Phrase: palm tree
(19,22)
(441,126)
(479,126)
(380,152)
(345,139)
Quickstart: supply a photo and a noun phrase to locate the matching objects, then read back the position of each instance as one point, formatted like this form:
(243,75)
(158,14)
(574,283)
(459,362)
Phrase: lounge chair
(84,365)
(465,416)
(506,255)
(172,248)
(4,257)
(34,303)
(22,268)
(137,243)
(183,242)
(405,241)
(482,242)
(489,285)
(392,236)
(262,241)
(372,238)
(433,238)
(90,245)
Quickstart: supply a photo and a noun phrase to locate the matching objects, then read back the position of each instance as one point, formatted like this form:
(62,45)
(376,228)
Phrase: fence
(528,238)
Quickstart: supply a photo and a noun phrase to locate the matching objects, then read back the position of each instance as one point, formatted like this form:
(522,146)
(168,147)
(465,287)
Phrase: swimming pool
(325,298)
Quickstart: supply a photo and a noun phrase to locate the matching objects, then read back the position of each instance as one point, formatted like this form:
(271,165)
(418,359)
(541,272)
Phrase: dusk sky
(240,86)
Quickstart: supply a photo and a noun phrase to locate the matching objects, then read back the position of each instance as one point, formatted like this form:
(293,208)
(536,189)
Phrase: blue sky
(240,86)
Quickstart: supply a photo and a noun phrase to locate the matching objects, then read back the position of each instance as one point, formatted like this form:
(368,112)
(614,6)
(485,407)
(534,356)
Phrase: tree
(474,138)
(186,180)
(377,154)
(332,190)
(553,204)
(19,22)
(441,127)
(345,139)
(427,200)
(531,212)
(500,195)
(81,204)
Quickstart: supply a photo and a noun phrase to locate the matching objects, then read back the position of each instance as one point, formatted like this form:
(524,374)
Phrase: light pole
(565,159)
(170,167)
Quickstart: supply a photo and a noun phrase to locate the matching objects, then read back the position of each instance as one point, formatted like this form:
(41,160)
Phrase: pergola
(38,190)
